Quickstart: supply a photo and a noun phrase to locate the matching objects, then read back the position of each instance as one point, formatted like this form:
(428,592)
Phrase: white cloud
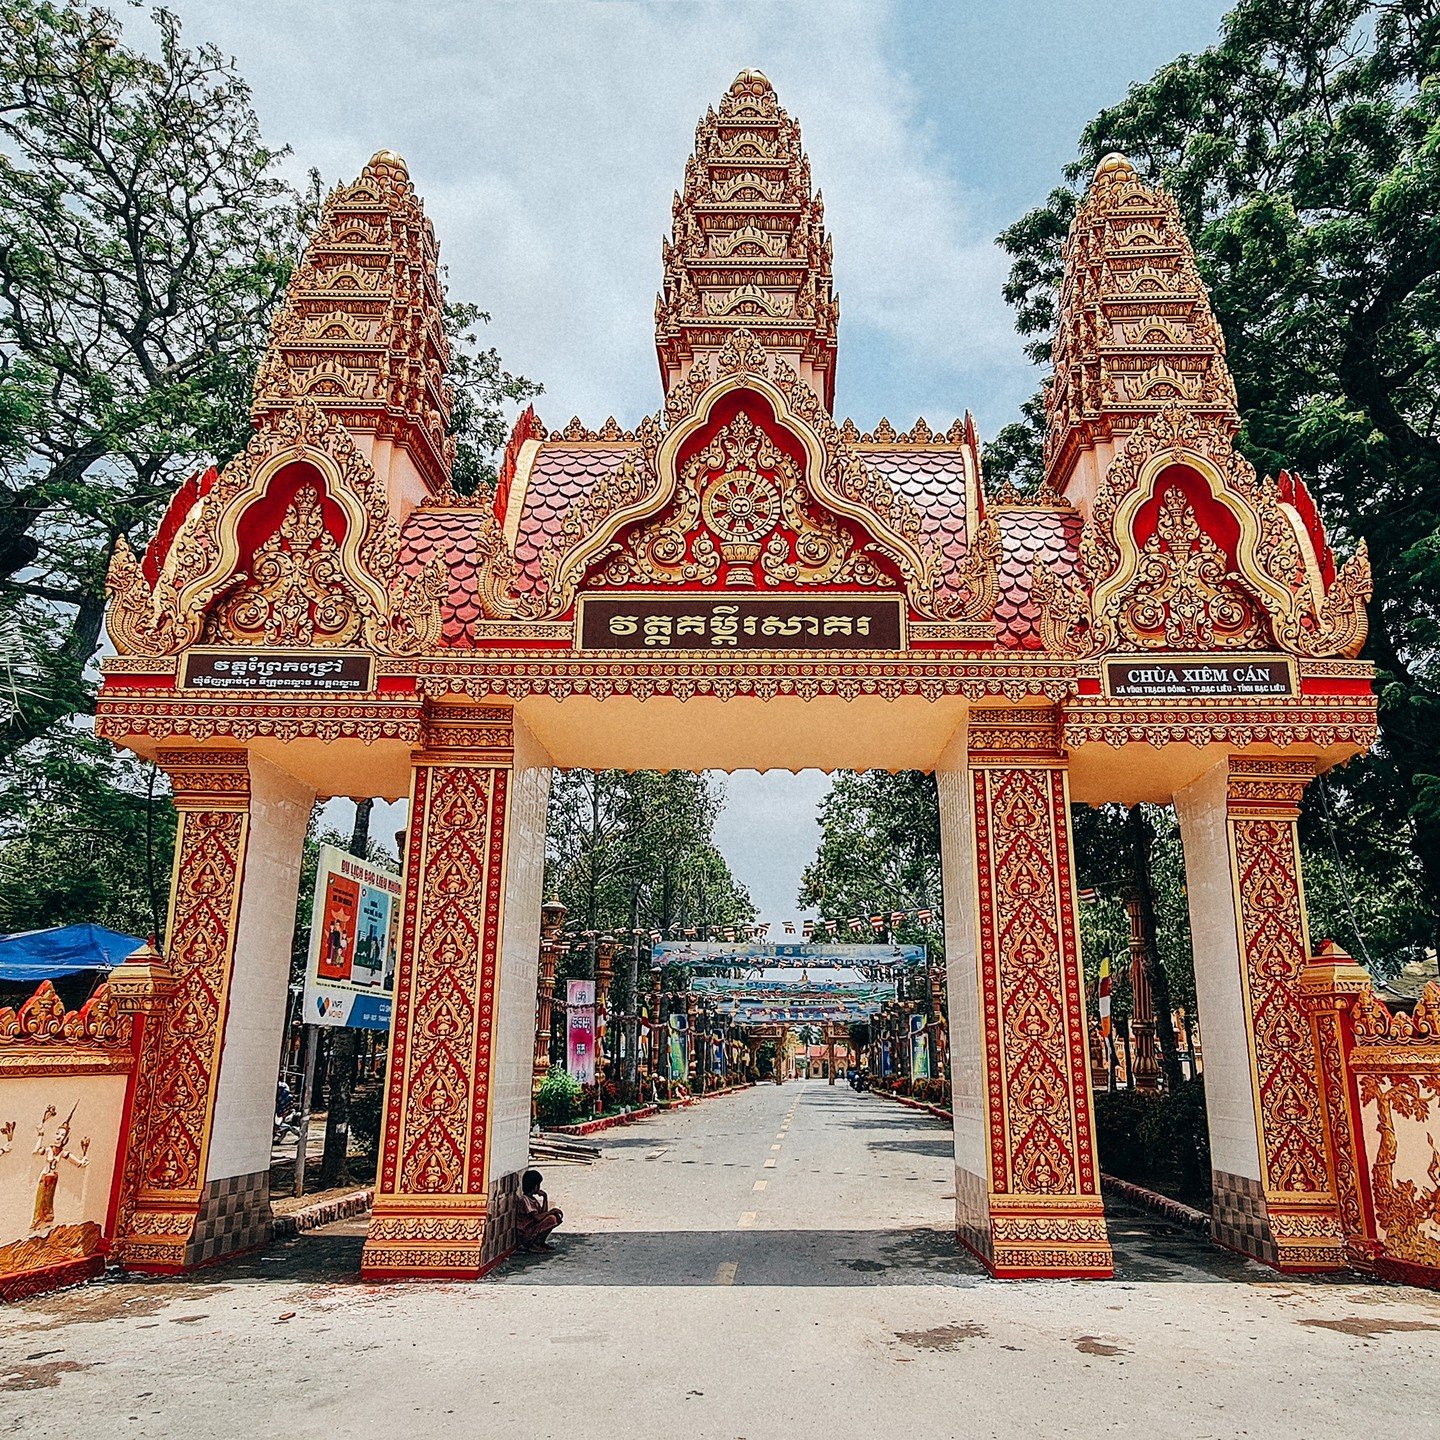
(547,140)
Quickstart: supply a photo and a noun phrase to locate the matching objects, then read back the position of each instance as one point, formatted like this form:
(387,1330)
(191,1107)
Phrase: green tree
(146,237)
(86,835)
(879,851)
(1304,152)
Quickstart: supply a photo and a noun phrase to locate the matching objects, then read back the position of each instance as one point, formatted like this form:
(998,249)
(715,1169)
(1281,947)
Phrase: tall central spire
(749,248)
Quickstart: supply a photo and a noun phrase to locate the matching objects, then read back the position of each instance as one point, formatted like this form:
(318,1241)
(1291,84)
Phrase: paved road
(776,1263)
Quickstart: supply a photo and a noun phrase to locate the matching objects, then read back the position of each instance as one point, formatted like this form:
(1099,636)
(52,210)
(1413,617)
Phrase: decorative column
(457,1103)
(1142,1007)
(937,1010)
(1329,988)
(1274,1192)
(1027,1182)
(830,1053)
(691,1049)
(196,1185)
(604,978)
(658,1036)
(552,918)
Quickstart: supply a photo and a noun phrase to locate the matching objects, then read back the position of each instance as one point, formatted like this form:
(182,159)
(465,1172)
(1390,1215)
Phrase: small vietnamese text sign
(1197,677)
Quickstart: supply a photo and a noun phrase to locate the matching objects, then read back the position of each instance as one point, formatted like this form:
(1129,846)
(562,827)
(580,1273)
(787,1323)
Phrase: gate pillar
(1274,1191)
(196,1180)
(455,1134)
(1026,1178)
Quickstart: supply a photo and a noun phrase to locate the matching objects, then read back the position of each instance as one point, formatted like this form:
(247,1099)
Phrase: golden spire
(360,332)
(748,249)
(1136,332)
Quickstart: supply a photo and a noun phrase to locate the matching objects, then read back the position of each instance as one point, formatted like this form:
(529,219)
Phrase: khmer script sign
(663,624)
(1162,677)
(346,671)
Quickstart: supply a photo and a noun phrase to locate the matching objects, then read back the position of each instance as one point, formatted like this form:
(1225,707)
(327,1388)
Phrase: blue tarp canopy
(62,950)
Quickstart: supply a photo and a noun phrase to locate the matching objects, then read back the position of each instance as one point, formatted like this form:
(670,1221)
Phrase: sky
(547,138)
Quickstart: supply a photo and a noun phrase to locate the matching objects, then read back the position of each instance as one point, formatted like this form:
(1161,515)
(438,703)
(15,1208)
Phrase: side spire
(361,334)
(1136,332)
(748,249)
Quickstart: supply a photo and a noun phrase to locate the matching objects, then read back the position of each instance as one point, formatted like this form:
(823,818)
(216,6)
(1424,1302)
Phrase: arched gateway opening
(740,581)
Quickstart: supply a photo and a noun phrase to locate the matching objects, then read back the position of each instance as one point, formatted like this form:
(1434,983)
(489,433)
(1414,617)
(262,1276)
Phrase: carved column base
(229,1217)
(415,1238)
(1296,1239)
(1032,1237)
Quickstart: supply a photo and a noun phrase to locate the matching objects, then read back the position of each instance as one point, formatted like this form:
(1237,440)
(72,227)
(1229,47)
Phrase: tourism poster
(919,1048)
(580,1031)
(354,938)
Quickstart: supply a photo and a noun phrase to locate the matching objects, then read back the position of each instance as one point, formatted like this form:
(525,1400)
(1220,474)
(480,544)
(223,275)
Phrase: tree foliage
(86,835)
(146,237)
(1304,152)
(636,848)
(879,852)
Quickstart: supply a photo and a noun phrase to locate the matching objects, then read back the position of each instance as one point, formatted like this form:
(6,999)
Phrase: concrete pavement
(774,1263)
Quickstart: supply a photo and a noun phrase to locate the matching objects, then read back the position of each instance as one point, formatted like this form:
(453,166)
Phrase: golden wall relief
(1402,1115)
(63,1080)
(1396,1060)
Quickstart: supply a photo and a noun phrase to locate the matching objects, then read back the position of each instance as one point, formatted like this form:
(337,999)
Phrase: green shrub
(1118,1114)
(557,1101)
(1176,1137)
(1157,1140)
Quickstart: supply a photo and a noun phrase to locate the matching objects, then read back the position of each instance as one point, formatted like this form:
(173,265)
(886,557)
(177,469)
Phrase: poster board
(354,941)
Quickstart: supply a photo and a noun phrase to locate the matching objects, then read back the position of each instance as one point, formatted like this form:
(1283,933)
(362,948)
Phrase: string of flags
(808,929)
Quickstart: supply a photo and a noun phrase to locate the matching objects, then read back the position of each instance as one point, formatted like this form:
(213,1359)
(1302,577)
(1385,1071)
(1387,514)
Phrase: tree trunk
(1143,893)
(334,1163)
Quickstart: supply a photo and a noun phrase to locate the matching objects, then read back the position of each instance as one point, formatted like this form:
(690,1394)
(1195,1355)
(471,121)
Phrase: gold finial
(748,79)
(390,158)
(1114,165)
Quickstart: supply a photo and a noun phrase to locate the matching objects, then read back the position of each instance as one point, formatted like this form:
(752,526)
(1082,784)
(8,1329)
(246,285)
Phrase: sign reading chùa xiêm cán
(1189,677)
(659,624)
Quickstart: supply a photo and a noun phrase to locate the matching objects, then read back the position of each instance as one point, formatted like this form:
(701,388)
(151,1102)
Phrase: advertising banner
(354,939)
(919,1048)
(679,1067)
(580,1031)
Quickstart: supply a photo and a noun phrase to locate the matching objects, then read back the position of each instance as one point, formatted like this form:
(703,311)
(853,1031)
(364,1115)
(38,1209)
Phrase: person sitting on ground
(537,1217)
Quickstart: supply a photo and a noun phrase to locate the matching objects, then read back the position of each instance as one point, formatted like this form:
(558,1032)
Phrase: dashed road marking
(749,1217)
(770,1163)
(726,1271)
(774,1147)
(761,1184)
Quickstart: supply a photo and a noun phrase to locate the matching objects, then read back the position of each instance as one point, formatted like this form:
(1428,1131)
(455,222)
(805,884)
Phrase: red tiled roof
(934,482)
(1028,533)
(561,474)
(450,532)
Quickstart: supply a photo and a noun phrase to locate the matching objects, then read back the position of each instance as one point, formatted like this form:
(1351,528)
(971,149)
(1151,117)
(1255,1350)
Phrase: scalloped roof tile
(1030,533)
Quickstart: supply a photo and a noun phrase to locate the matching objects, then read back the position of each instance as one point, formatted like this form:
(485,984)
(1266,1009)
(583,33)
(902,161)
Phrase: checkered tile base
(972,1213)
(234,1215)
(1240,1220)
(502,1212)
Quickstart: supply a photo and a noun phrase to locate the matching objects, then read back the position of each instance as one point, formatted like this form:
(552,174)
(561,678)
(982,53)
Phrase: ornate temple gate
(739,581)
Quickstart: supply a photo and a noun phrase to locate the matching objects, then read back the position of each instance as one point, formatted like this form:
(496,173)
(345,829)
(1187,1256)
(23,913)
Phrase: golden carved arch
(834,477)
(395,613)
(1082,617)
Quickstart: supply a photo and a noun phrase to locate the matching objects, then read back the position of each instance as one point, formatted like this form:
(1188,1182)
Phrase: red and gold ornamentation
(174,1105)
(431,1195)
(1263,804)
(1045,1212)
